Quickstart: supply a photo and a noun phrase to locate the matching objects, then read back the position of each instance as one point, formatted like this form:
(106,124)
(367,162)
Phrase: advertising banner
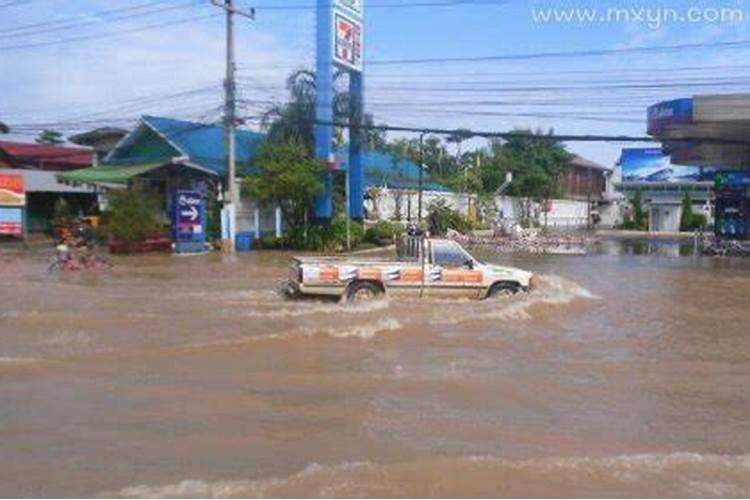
(12,192)
(650,165)
(11,221)
(347,50)
(669,113)
(189,215)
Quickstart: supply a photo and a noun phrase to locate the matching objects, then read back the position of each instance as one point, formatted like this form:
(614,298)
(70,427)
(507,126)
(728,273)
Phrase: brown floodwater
(624,375)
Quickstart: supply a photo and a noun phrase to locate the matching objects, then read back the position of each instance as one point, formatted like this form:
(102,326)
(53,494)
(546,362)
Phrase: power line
(64,27)
(110,34)
(393,5)
(579,53)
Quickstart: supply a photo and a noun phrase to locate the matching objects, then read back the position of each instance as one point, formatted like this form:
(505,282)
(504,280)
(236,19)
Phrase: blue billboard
(646,165)
(189,221)
(669,113)
(652,165)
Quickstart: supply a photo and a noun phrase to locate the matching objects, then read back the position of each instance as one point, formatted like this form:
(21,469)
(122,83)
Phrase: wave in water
(365,331)
(307,309)
(553,291)
(645,475)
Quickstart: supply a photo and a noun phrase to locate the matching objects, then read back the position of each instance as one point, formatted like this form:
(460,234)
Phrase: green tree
(4,129)
(537,162)
(289,176)
(294,120)
(686,220)
(640,217)
(51,137)
(132,214)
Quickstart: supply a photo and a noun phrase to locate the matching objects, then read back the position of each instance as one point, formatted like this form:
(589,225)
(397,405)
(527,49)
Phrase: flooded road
(624,375)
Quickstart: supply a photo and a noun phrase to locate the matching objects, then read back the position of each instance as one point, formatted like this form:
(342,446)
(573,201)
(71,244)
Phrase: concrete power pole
(229,217)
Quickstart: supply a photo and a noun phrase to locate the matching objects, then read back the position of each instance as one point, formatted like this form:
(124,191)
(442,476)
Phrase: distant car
(433,267)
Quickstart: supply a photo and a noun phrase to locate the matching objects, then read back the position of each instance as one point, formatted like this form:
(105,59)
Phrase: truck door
(451,271)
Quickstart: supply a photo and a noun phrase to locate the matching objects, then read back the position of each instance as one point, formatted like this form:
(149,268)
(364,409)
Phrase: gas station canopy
(708,130)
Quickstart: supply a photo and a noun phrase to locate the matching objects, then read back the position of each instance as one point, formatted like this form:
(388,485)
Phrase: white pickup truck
(430,267)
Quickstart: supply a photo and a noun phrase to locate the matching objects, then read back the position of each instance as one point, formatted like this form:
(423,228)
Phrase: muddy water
(625,375)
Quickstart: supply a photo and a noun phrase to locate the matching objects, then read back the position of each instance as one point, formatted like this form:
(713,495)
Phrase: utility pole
(421,178)
(230,124)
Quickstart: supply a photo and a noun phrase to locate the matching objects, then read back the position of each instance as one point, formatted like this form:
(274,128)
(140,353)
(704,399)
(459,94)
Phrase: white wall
(563,214)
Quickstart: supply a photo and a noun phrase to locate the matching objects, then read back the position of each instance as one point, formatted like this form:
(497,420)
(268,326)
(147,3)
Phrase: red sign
(12,192)
(348,43)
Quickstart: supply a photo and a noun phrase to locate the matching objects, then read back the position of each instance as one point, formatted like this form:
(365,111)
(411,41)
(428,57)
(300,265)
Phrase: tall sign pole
(229,215)
(340,46)
(324,104)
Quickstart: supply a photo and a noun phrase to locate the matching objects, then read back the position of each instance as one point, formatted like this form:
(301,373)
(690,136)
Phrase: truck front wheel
(503,289)
(362,291)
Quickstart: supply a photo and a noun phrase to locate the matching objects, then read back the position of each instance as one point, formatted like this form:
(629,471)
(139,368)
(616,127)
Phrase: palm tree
(458,137)
(294,120)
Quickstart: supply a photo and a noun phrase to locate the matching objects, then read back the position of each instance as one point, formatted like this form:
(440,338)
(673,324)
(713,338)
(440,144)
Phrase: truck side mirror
(469,263)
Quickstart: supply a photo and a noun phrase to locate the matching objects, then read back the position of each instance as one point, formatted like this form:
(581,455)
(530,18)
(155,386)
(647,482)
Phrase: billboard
(347,42)
(12,191)
(649,165)
(11,221)
(669,113)
(189,215)
(354,6)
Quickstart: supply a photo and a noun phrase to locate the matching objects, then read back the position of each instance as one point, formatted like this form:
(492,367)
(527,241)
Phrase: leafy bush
(383,233)
(690,220)
(328,238)
(441,218)
(62,213)
(272,243)
(132,214)
(698,221)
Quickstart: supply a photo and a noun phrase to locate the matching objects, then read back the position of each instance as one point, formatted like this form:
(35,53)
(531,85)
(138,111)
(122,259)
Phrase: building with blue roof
(159,142)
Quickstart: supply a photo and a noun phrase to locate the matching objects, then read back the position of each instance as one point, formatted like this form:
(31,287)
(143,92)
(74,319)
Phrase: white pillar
(256,220)
(278,221)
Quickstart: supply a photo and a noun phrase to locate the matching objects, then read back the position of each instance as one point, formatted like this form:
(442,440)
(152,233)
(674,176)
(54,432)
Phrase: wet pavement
(626,374)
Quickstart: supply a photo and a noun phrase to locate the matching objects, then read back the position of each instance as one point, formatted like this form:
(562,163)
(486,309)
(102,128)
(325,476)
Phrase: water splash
(306,309)
(669,474)
(553,291)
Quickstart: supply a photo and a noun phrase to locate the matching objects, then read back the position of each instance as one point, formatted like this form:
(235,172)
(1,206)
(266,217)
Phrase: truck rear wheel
(363,291)
(503,289)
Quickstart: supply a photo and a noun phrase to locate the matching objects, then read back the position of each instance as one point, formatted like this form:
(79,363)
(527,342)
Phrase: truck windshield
(450,254)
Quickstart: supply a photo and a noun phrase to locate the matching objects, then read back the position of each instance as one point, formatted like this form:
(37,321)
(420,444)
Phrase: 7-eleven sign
(347,42)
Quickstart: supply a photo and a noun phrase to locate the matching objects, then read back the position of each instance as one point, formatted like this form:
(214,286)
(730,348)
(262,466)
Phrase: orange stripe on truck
(329,274)
(411,275)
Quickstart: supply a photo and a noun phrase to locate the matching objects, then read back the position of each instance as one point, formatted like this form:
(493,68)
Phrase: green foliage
(537,162)
(287,176)
(639,221)
(324,237)
(698,221)
(383,233)
(132,214)
(294,120)
(686,221)
(51,137)
(62,213)
(691,220)
(441,218)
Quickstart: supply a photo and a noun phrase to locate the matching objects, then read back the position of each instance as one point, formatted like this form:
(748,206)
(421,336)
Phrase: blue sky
(177,70)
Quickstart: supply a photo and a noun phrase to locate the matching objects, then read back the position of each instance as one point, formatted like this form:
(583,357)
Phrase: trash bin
(244,241)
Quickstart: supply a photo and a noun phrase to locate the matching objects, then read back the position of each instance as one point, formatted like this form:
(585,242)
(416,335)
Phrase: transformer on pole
(340,46)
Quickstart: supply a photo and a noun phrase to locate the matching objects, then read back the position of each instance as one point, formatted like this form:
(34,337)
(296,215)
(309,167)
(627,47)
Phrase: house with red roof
(40,164)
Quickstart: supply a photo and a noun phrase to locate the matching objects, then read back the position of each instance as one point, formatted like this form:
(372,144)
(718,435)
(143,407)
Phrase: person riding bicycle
(84,240)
